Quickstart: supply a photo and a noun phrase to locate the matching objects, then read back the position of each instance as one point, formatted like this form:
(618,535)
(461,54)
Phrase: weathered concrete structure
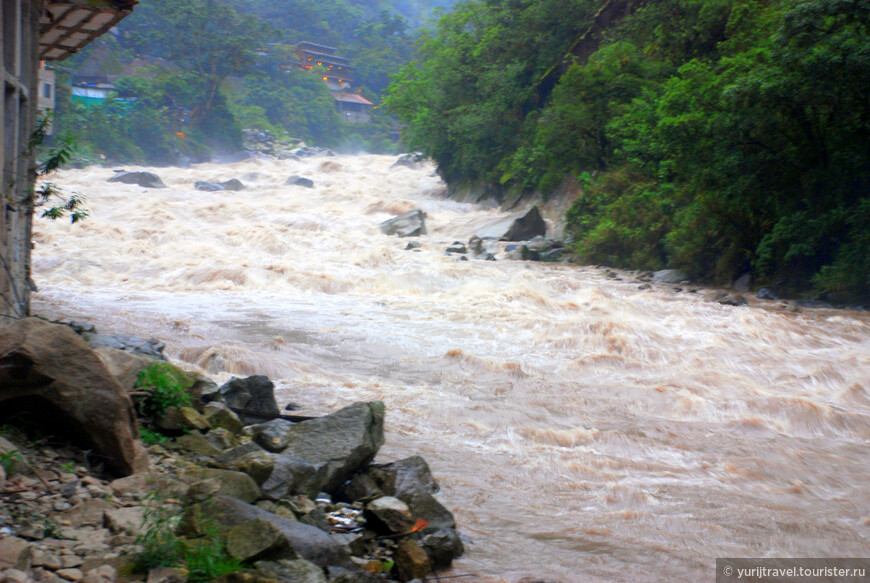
(30,31)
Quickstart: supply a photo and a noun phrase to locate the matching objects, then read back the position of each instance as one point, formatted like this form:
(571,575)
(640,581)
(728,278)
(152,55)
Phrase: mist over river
(581,429)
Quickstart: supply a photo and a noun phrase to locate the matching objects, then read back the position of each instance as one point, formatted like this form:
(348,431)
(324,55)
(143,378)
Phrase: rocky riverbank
(252,498)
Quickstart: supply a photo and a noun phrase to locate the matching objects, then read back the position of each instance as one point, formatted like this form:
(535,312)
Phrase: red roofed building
(353,107)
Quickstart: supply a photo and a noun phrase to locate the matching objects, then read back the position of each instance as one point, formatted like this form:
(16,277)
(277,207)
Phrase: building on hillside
(336,71)
(354,108)
(30,31)
(93,81)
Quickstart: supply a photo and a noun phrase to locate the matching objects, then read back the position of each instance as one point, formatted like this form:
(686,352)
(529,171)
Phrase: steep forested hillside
(191,74)
(719,136)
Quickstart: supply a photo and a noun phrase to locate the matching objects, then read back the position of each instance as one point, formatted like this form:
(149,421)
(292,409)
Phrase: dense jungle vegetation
(191,74)
(718,136)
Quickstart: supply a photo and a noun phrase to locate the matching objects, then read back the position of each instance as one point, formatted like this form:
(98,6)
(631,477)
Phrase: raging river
(581,429)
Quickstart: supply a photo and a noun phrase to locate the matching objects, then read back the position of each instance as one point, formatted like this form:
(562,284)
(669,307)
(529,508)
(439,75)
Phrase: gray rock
(309,542)
(404,476)
(207,186)
(424,505)
(742,283)
(457,247)
(236,484)
(15,553)
(669,276)
(254,393)
(409,224)
(222,439)
(411,160)
(298,571)
(219,415)
(274,435)
(125,520)
(256,540)
(729,299)
(337,445)
(317,518)
(389,515)
(151,347)
(292,475)
(250,459)
(195,442)
(297,180)
(232,184)
(412,245)
(146,179)
(442,545)
(766,294)
(516,228)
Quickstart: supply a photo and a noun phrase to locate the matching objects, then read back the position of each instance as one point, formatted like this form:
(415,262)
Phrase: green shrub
(163,386)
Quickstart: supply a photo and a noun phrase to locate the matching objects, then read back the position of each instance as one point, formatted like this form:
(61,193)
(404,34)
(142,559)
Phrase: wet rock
(297,180)
(49,365)
(146,179)
(411,561)
(669,276)
(232,184)
(338,444)
(729,299)
(412,245)
(389,515)
(424,505)
(316,518)
(255,393)
(456,247)
(309,542)
(409,224)
(517,228)
(258,540)
(766,294)
(411,160)
(644,286)
(442,546)
(219,415)
(207,186)
(404,476)
(151,347)
(236,484)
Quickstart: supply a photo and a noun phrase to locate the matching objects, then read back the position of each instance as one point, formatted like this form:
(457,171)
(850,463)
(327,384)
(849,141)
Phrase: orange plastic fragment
(419,525)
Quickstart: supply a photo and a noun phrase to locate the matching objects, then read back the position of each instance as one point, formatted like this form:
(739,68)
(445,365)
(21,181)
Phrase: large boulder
(152,347)
(411,160)
(328,450)
(307,541)
(255,394)
(124,366)
(146,179)
(409,224)
(669,276)
(516,228)
(47,368)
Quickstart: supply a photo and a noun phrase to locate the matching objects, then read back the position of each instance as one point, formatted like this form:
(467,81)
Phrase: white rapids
(581,429)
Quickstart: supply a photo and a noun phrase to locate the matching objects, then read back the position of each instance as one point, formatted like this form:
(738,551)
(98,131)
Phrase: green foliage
(204,557)
(150,437)
(164,386)
(725,135)
(9,461)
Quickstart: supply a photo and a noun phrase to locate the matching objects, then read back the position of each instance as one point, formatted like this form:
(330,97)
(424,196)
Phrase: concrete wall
(19,30)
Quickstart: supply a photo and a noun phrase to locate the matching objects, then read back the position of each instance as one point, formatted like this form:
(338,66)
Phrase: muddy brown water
(581,429)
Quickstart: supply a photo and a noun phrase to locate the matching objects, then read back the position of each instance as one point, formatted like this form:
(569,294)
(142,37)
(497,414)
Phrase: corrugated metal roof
(67,26)
(350,97)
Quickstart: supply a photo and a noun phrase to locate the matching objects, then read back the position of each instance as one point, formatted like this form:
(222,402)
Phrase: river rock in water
(297,180)
(411,160)
(255,394)
(669,276)
(517,228)
(207,186)
(409,224)
(146,179)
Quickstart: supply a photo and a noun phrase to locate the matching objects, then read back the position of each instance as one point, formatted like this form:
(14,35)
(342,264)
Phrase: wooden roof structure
(65,26)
